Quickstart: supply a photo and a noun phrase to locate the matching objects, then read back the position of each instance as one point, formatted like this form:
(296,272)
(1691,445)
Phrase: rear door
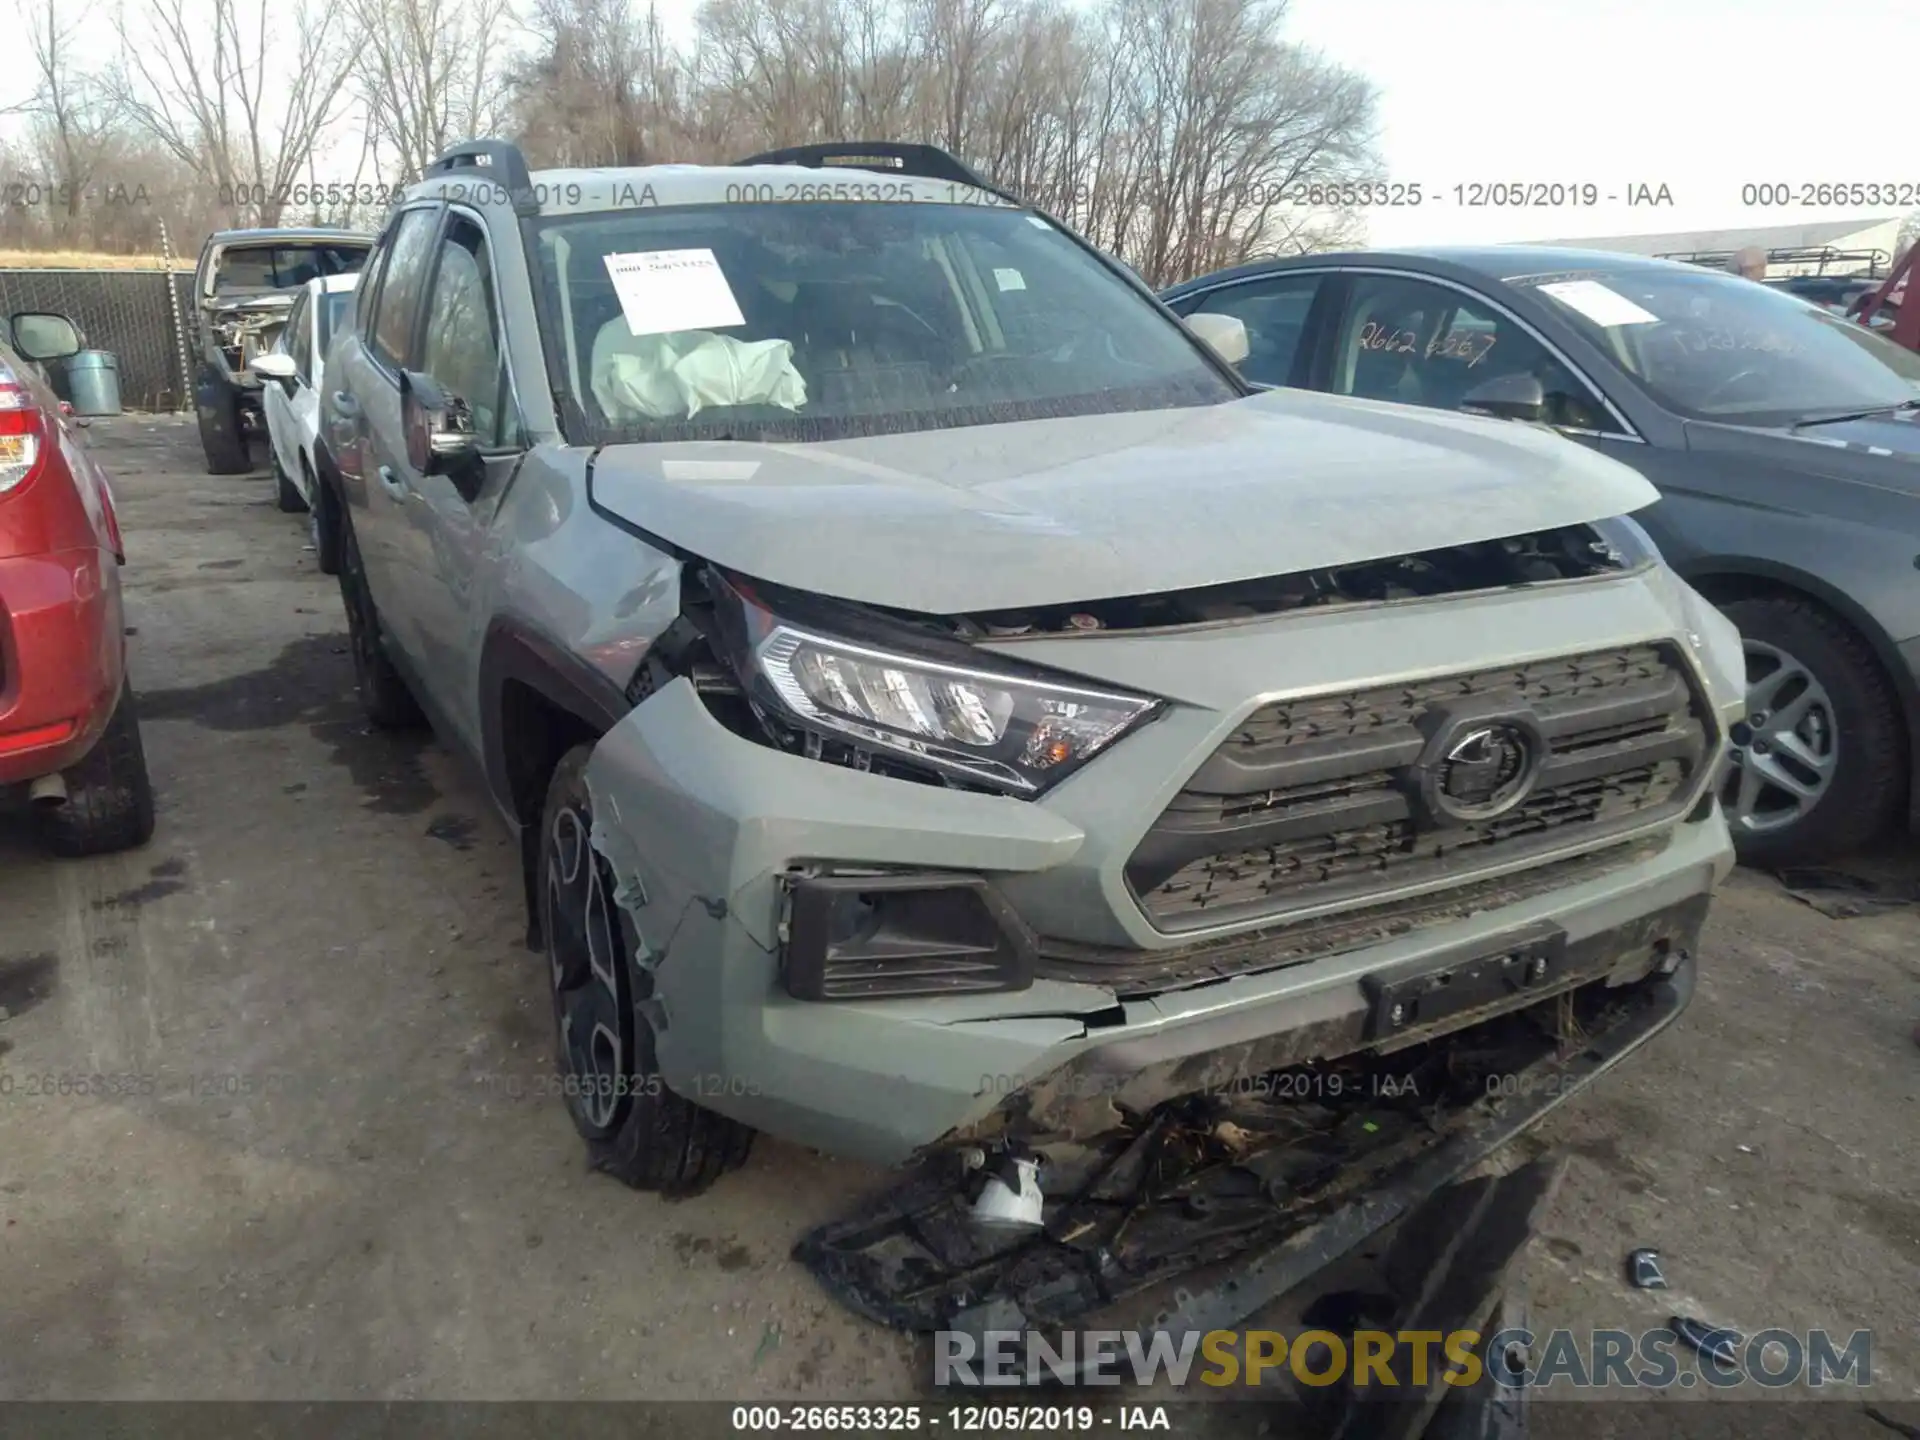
(377,504)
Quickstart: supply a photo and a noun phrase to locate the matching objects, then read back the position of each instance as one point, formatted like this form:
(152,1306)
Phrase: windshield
(1719,347)
(281,267)
(817,321)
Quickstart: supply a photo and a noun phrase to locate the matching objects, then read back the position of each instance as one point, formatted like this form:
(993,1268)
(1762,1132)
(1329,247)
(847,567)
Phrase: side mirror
(1225,335)
(439,428)
(274,364)
(1509,397)
(41,336)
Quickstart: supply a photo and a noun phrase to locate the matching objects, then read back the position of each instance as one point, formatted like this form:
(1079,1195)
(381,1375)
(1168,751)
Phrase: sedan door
(303,403)
(277,396)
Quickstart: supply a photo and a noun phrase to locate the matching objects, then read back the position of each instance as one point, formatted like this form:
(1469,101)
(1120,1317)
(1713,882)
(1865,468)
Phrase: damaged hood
(1048,512)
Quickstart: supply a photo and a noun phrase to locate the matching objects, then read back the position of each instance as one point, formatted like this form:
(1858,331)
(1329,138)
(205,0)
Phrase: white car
(293,370)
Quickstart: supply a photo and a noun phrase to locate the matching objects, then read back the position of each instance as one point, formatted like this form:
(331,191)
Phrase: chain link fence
(135,314)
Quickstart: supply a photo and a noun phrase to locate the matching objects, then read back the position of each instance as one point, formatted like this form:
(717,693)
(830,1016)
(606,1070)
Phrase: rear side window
(400,287)
(1274,308)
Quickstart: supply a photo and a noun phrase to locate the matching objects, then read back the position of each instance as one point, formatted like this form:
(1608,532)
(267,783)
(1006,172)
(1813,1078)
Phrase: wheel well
(1725,589)
(535,732)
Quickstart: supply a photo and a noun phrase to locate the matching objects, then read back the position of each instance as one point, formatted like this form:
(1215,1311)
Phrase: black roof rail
(499,158)
(889,157)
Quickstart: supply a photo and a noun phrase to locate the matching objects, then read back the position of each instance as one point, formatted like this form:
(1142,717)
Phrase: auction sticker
(666,290)
(1598,303)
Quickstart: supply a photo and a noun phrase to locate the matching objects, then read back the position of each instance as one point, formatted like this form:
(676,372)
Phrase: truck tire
(109,804)
(636,1129)
(1819,767)
(383,693)
(222,439)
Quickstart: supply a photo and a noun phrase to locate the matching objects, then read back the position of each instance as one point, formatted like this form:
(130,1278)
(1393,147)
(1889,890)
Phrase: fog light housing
(895,935)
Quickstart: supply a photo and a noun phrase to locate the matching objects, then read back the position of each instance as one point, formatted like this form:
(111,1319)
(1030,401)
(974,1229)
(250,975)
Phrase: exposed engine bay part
(1292,1168)
(244,329)
(1571,552)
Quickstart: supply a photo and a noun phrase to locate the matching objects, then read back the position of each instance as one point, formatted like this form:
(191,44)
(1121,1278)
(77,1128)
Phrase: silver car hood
(1048,512)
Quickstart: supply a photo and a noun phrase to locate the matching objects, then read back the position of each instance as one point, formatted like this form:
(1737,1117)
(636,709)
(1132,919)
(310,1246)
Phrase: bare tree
(73,119)
(1175,133)
(429,73)
(242,113)
(605,88)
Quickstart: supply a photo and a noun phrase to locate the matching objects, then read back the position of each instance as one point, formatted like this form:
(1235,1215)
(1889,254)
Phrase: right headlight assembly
(1015,732)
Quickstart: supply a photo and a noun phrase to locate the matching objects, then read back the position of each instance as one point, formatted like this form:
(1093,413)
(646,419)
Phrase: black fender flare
(1702,573)
(516,653)
(513,652)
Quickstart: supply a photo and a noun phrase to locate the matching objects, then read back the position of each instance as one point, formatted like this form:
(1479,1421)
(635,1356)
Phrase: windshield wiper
(1857,414)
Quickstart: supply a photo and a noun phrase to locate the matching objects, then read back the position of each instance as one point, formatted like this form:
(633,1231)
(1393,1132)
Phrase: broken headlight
(1014,732)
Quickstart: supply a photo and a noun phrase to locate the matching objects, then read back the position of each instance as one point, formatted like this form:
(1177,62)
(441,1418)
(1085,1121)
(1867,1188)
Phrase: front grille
(1132,974)
(1313,800)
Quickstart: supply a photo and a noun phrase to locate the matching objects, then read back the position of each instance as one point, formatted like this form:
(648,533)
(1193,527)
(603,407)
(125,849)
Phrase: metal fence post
(179,324)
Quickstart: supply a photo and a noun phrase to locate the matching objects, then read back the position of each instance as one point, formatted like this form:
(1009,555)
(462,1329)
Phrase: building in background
(1822,247)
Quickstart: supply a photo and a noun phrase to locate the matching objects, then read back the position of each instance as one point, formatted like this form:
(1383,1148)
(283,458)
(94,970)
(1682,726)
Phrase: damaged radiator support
(1273,1181)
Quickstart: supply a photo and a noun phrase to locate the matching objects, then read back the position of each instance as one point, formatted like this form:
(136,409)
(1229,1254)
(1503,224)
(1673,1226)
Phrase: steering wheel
(1752,372)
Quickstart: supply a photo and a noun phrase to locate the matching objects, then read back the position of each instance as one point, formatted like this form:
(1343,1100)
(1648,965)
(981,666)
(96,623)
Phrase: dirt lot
(320,1184)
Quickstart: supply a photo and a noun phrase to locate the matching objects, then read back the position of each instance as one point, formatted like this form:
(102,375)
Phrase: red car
(67,727)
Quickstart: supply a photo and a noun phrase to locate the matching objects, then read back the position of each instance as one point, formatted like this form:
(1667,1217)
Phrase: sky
(1703,96)
(1699,96)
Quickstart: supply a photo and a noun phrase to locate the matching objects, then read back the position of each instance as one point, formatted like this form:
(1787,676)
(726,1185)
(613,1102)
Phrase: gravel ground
(320,1183)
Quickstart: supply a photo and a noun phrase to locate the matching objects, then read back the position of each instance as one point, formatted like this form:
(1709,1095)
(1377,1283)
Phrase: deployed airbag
(676,375)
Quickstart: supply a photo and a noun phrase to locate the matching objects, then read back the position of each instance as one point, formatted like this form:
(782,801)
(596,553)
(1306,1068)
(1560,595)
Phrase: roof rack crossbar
(1821,255)
(889,157)
(499,158)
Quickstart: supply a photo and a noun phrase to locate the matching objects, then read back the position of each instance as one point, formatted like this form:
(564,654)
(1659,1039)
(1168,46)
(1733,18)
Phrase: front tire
(109,804)
(636,1129)
(222,439)
(1819,766)
(286,493)
(383,694)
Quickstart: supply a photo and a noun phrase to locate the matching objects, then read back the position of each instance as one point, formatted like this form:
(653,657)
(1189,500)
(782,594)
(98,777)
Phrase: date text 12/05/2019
(1468,194)
(956,1419)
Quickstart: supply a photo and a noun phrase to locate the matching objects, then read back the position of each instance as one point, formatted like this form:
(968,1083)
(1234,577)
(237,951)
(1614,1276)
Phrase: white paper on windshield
(666,290)
(1010,279)
(1598,303)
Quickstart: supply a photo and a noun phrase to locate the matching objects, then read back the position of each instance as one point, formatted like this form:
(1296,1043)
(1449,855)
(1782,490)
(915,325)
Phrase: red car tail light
(22,432)
(22,740)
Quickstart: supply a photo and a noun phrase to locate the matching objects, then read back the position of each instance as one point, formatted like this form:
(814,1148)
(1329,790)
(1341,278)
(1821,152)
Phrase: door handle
(345,403)
(395,483)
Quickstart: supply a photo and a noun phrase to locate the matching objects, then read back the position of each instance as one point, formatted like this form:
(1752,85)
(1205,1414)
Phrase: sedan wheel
(1785,752)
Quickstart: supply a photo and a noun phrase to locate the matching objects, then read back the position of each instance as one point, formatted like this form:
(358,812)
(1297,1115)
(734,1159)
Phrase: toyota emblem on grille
(1478,764)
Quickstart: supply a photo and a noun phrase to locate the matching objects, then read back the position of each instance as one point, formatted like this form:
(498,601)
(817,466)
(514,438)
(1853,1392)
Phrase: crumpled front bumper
(701,826)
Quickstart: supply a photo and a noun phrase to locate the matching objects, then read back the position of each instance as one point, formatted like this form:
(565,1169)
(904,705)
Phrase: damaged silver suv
(944,707)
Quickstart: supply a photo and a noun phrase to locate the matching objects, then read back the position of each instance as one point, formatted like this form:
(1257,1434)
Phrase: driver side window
(461,347)
(1420,343)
